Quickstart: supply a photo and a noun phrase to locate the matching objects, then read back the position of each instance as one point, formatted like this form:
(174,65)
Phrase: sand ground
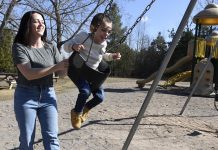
(161,128)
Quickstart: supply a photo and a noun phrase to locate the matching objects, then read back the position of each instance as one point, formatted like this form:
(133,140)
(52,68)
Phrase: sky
(162,16)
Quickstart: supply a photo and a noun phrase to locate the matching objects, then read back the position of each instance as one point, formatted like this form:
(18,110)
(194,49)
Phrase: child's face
(103,32)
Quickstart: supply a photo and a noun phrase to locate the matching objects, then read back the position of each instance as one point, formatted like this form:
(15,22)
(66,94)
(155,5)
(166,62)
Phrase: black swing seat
(95,77)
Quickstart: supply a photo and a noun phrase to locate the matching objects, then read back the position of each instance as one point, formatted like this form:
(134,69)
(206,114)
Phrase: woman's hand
(63,65)
(62,68)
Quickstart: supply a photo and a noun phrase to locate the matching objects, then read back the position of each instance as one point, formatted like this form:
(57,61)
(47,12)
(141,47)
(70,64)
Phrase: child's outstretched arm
(116,56)
(112,56)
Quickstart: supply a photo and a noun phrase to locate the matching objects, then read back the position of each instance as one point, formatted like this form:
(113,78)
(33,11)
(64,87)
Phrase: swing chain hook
(136,22)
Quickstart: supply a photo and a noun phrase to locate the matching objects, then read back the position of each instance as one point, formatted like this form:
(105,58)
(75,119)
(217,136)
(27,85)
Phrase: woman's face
(37,25)
(103,32)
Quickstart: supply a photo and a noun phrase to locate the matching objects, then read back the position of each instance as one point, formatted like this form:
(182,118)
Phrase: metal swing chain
(108,7)
(133,26)
(136,22)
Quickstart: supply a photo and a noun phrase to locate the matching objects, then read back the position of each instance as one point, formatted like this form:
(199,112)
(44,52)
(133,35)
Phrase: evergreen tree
(6,62)
(181,51)
(124,67)
(118,31)
(149,60)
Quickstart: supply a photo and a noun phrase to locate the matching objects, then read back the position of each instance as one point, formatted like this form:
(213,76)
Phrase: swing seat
(95,77)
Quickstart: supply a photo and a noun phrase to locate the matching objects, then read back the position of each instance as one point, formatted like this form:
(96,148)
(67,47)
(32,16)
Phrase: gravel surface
(161,128)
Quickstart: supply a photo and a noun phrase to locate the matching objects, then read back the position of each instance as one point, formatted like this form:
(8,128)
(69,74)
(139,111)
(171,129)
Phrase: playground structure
(199,44)
(176,78)
(204,62)
(203,48)
(198,50)
(181,76)
(205,85)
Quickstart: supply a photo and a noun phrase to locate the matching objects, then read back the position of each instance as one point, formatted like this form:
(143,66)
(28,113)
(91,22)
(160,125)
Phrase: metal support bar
(160,73)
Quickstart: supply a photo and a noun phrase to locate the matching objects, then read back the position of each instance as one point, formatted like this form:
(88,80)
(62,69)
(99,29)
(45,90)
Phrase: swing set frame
(162,67)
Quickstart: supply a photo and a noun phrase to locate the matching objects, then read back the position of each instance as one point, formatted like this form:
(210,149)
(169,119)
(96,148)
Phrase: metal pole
(160,73)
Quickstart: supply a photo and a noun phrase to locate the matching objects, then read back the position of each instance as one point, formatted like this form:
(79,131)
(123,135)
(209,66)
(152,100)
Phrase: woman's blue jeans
(31,102)
(85,91)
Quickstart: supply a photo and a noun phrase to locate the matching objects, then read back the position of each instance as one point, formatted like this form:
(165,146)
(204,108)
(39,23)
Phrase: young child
(92,46)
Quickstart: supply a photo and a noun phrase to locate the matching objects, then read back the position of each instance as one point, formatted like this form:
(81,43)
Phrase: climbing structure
(209,18)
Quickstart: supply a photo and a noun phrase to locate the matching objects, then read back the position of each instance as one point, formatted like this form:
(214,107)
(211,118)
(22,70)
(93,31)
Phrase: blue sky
(162,16)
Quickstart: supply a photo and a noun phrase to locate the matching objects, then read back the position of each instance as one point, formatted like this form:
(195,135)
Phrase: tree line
(65,18)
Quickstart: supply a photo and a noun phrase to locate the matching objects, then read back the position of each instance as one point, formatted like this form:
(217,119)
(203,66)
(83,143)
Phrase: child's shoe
(76,120)
(85,114)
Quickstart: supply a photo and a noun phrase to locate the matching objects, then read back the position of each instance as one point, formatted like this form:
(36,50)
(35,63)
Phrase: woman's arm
(36,73)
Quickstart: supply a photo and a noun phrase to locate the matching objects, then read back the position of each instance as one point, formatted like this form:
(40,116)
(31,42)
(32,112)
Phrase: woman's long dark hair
(23,33)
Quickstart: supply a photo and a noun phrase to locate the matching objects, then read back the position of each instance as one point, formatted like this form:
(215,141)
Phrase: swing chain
(136,22)
(106,11)
(108,7)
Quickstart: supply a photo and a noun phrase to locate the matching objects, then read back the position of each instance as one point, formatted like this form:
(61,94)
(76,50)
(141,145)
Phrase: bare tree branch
(7,16)
(85,20)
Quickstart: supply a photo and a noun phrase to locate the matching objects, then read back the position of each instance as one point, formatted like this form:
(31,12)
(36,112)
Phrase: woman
(36,61)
